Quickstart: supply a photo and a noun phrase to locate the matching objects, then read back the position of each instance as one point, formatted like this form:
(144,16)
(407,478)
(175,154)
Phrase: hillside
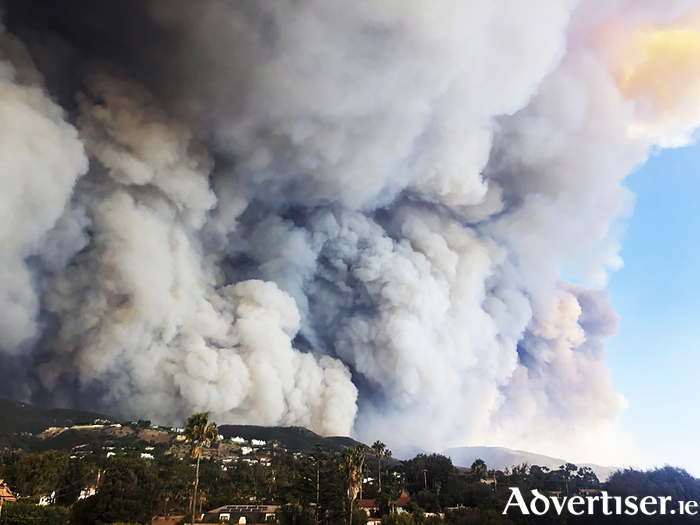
(24,426)
(16,417)
(294,439)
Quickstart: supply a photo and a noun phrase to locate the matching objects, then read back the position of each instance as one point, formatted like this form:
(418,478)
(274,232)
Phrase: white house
(44,501)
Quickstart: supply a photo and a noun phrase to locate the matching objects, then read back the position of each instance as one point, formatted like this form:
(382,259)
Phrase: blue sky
(655,359)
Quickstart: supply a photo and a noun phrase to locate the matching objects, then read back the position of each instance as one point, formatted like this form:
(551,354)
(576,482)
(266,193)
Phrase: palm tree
(380,451)
(479,469)
(199,433)
(351,463)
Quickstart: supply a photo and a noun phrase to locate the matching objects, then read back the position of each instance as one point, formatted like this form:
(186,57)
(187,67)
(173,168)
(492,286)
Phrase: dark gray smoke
(351,216)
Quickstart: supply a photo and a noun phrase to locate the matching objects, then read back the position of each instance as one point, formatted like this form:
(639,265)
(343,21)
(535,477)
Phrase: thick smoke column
(350,216)
(40,159)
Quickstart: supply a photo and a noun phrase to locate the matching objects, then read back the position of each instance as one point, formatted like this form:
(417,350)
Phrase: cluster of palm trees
(200,434)
(380,451)
(352,461)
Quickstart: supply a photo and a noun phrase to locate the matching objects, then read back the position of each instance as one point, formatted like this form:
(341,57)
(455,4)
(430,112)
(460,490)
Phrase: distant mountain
(500,458)
(409,451)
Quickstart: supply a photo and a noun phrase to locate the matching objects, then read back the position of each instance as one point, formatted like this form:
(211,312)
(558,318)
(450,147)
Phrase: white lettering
(606,498)
(647,500)
(533,503)
(520,502)
(590,503)
(559,505)
(578,505)
(662,502)
(576,500)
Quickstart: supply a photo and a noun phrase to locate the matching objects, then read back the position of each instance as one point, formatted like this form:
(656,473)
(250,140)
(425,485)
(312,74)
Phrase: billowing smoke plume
(351,216)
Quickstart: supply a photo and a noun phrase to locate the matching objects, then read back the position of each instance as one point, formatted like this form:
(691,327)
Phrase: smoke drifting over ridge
(350,216)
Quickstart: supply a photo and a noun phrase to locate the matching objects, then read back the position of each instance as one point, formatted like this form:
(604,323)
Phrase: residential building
(6,494)
(241,514)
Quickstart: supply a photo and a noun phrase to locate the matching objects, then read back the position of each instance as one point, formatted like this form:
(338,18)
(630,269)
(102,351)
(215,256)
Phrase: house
(88,491)
(489,481)
(47,500)
(241,514)
(401,504)
(91,488)
(369,506)
(372,508)
(6,494)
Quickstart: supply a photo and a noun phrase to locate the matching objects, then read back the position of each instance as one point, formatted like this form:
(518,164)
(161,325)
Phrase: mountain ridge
(501,458)
(17,418)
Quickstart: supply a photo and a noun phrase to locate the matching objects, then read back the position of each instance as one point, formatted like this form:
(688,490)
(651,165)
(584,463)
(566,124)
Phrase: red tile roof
(370,503)
(402,501)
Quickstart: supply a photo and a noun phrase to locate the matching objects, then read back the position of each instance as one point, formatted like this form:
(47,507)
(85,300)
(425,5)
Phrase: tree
(199,433)
(479,469)
(41,473)
(129,492)
(351,463)
(588,478)
(295,514)
(380,451)
(567,473)
(423,471)
(312,475)
(30,514)
(176,478)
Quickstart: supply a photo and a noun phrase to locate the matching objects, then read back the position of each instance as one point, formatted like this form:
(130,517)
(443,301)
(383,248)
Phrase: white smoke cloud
(348,216)
(40,160)
(354,101)
(144,313)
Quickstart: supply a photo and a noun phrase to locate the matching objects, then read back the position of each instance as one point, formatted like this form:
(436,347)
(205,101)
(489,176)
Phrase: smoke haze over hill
(350,216)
